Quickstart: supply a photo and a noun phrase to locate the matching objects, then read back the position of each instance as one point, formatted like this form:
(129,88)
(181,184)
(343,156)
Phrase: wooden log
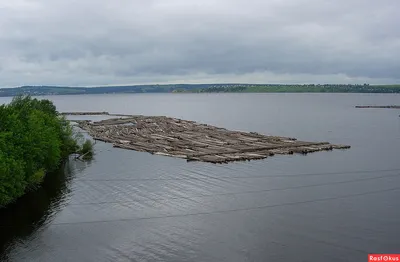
(194,141)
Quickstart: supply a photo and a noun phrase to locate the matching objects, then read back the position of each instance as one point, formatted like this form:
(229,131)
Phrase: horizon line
(122,85)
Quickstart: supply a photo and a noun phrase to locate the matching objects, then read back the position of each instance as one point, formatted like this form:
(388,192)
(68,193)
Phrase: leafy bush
(86,150)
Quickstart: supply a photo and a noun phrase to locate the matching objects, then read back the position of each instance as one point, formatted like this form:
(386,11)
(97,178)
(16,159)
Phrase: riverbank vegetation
(34,140)
(301,89)
(86,150)
(203,88)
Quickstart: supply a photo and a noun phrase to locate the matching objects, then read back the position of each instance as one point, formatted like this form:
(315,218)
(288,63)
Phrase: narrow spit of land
(193,141)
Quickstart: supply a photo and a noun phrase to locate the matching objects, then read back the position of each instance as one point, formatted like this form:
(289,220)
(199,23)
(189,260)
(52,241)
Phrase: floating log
(387,107)
(161,135)
(84,113)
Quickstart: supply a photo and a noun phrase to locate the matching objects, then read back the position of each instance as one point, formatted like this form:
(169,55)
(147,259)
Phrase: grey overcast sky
(105,42)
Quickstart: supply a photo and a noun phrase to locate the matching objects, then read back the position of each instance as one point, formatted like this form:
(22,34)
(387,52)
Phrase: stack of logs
(194,141)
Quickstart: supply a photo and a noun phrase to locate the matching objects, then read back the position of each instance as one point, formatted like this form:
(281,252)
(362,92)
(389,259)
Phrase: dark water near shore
(132,206)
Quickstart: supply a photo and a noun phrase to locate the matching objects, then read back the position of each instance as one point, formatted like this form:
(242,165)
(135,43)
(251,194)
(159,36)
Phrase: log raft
(381,107)
(166,136)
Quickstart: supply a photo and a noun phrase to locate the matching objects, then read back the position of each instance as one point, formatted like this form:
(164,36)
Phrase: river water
(132,206)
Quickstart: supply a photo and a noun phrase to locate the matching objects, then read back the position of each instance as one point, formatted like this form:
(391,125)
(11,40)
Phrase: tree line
(34,139)
(300,89)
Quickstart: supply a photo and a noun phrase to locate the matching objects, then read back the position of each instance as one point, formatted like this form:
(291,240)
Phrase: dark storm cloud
(129,41)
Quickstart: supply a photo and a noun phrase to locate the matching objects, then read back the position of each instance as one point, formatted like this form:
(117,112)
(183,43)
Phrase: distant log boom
(387,107)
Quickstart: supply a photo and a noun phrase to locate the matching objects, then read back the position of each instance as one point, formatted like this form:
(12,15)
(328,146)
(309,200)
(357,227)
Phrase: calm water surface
(132,206)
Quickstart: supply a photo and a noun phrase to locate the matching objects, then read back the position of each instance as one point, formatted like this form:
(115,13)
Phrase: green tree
(34,139)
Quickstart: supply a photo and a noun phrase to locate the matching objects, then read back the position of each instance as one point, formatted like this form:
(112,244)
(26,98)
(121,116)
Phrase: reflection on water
(134,206)
(37,208)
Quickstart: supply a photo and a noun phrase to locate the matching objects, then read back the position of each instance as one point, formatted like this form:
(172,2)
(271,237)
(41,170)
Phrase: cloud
(96,42)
